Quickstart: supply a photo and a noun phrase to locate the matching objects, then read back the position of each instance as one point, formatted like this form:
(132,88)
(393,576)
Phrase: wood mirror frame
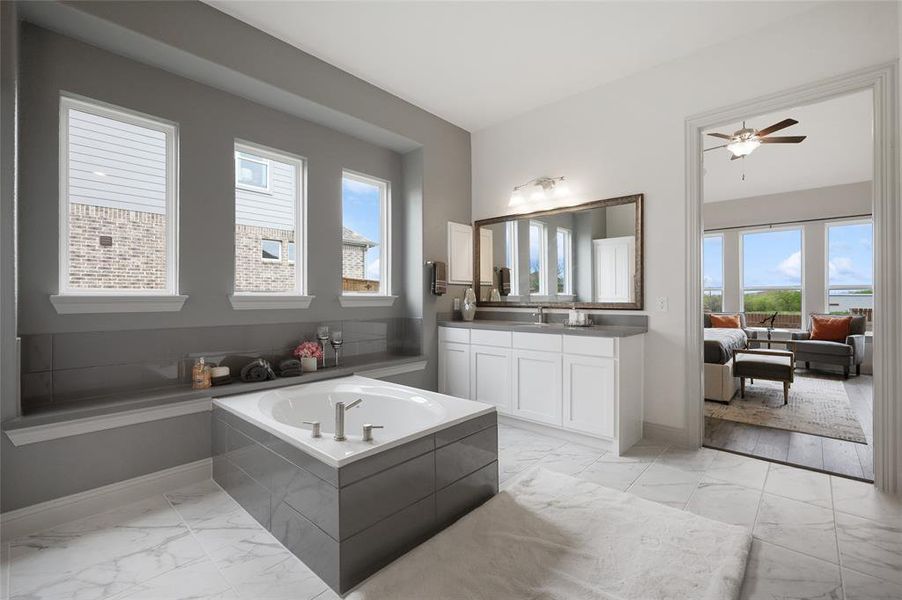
(638,281)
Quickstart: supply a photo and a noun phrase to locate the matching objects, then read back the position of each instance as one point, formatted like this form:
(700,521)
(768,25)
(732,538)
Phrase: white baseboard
(561,434)
(664,433)
(38,517)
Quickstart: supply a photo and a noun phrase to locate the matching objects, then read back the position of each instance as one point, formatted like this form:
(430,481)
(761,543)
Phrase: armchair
(844,354)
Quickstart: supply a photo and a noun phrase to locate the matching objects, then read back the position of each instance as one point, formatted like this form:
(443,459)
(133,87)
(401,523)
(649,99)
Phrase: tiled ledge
(151,405)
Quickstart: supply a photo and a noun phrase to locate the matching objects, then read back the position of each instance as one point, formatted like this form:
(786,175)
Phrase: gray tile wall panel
(309,495)
(309,543)
(464,495)
(370,500)
(465,456)
(461,430)
(249,493)
(366,467)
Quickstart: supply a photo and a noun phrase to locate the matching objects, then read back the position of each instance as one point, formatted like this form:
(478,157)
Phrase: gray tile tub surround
(64,368)
(346,523)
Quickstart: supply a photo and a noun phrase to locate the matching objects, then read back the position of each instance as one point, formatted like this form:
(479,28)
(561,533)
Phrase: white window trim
(298,297)
(271,260)
(827,287)
(88,300)
(743,288)
(512,255)
(543,261)
(384,297)
(568,264)
(265,189)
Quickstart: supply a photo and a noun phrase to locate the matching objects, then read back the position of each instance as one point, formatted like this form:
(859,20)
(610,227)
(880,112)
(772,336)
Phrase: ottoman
(771,365)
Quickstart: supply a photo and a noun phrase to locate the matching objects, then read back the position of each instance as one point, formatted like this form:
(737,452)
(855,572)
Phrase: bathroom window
(365,239)
(564,262)
(269,225)
(118,207)
(538,259)
(252,172)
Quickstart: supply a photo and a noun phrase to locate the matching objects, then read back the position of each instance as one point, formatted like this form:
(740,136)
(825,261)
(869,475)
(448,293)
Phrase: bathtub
(404,412)
(348,508)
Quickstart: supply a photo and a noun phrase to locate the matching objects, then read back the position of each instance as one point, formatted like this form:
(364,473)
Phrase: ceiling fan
(746,140)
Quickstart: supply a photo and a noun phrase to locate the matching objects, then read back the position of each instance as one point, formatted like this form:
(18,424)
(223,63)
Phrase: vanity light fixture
(542,188)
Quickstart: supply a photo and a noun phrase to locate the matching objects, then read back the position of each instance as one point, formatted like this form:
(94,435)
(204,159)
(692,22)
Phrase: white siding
(275,209)
(116,164)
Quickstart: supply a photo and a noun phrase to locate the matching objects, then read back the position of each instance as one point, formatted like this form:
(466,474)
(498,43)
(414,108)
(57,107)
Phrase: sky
(360,212)
(774,258)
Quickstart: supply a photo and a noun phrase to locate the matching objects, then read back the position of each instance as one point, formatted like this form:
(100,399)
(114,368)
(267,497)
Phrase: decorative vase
(308,363)
(468,307)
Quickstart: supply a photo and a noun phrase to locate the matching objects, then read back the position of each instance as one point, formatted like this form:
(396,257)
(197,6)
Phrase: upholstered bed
(720,343)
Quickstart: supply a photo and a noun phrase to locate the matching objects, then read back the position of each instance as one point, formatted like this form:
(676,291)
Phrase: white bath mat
(554,536)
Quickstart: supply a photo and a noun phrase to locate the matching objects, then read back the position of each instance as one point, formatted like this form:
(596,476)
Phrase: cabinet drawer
(537,341)
(590,346)
(487,337)
(454,334)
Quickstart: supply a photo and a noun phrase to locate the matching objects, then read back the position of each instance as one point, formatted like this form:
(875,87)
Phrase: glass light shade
(537,194)
(516,199)
(743,148)
(561,190)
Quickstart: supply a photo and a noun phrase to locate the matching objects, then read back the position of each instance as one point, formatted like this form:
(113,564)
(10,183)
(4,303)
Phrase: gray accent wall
(290,101)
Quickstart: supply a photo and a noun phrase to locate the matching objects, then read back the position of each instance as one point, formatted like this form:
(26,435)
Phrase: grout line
(842,582)
(760,501)
(199,544)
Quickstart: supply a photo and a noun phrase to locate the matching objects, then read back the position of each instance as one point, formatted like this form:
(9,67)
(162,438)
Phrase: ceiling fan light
(744,147)
(537,194)
(517,198)
(561,190)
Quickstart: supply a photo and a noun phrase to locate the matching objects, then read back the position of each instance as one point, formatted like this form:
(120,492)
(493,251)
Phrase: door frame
(882,80)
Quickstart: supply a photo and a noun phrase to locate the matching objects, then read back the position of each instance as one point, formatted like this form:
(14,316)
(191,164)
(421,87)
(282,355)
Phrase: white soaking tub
(405,413)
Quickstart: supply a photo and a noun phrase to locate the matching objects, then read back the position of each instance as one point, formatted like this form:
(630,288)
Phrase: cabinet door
(486,257)
(460,253)
(615,263)
(589,394)
(454,369)
(537,386)
(490,376)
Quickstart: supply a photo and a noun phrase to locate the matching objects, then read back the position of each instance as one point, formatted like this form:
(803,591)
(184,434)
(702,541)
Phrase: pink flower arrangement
(308,350)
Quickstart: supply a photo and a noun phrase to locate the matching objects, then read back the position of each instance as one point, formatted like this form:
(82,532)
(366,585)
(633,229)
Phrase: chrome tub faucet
(340,408)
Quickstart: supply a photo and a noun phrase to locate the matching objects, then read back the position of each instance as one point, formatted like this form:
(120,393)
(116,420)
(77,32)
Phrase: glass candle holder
(337,341)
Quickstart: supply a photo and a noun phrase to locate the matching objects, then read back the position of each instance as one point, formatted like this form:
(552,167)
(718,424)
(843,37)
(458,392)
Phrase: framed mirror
(588,255)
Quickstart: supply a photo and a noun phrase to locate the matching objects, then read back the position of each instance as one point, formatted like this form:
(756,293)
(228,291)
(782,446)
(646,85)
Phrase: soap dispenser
(200,375)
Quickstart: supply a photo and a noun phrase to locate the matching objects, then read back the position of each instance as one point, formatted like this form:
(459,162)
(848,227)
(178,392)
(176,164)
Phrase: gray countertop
(609,331)
(359,364)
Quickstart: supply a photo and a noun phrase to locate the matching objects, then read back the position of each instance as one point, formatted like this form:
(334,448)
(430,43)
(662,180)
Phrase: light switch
(662,304)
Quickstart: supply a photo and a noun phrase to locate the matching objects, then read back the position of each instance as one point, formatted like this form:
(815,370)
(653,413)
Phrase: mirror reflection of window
(538,254)
(511,258)
(564,262)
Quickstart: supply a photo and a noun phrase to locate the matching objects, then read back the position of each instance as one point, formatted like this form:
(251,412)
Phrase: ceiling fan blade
(735,156)
(776,127)
(784,139)
(715,147)
(722,136)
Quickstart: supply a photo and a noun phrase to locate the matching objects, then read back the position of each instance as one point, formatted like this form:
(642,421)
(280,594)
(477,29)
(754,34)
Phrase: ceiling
(479,63)
(838,150)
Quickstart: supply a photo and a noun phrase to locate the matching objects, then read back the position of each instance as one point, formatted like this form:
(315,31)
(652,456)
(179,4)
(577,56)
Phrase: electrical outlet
(662,304)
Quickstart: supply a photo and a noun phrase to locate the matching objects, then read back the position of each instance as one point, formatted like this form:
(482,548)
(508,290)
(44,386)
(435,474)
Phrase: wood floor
(801,449)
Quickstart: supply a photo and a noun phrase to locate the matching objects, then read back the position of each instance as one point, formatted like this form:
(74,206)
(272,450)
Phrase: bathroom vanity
(348,507)
(585,381)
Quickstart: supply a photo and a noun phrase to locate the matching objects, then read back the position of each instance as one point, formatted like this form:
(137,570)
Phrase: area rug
(818,406)
(550,536)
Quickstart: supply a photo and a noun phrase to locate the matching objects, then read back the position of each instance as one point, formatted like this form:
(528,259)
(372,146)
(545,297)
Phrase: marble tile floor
(815,536)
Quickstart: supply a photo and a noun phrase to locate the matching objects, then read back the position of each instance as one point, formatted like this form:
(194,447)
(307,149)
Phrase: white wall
(628,137)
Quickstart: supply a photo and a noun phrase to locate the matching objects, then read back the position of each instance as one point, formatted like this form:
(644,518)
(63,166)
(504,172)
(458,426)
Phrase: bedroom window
(270,212)
(538,259)
(850,268)
(772,275)
(712,257)
(564,262)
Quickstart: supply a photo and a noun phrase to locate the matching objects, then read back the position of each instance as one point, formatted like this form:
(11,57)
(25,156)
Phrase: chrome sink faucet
(340,408)
(539,315)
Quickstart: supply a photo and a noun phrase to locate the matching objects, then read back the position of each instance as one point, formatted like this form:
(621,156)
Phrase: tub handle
(315,427)
(368,431)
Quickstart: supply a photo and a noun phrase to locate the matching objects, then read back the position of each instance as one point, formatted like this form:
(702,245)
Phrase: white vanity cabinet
(454,362)
(586,385)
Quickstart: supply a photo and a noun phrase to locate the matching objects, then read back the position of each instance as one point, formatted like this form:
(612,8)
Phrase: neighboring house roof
(352,238)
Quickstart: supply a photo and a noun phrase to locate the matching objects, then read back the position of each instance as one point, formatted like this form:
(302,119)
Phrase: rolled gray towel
(289,367)
(258,370)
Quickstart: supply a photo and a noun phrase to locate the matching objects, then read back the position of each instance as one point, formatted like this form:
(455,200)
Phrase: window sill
(269,301)
(365,301)
(87,304)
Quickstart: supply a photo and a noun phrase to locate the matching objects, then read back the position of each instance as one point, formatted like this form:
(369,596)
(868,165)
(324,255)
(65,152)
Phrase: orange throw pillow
(830,329)
(726,321)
